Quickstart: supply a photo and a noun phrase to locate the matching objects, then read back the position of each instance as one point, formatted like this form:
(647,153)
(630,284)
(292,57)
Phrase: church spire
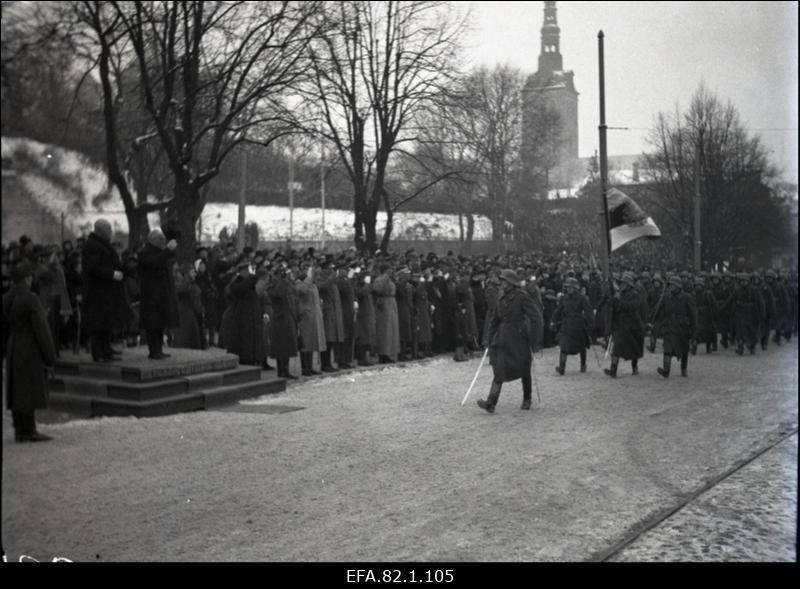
(550,57)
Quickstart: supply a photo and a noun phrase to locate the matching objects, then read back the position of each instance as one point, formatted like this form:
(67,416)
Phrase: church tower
(551,89)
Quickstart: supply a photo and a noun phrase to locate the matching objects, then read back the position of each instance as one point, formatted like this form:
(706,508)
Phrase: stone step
(150,390)
(190,401)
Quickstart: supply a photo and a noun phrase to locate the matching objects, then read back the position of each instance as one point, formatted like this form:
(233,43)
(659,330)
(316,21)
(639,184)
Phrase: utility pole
(604,161)
(242,198)
(322,195)
(697,241)
(291,194)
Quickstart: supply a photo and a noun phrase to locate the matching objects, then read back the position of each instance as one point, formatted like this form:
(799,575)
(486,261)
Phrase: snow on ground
(67,182)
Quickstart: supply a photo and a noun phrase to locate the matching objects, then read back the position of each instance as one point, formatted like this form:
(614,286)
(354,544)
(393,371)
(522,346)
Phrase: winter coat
(748,308)
(574,318)
(515,327)
(677,317)
(403,297)
(421,318)
(465,299)
(387,329)
(311,326)
(347,295)
(28,350)
(284,319)
(366,316)
(707,312)
(627,325)
(158,307)
(769,321)
(331,309)
(242,327)
(492,294)
(104,306)
(190,316)
(265,307)
(209,297)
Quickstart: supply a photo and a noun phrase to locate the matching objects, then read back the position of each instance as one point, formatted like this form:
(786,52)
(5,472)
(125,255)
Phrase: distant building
(557,88)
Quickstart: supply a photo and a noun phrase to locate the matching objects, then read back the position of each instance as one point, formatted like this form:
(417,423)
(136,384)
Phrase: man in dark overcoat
(104,309)
(748,308)
(627,325)
(347,295)
(574,318)
(331,316)
(242,331)
(284,321)
(29,352)
(677,318)
(515,329)
(768,320)
(403,295)
(707,313)
(158,307)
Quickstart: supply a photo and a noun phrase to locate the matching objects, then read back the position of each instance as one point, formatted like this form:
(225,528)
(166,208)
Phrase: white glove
(367,279)
(351,273)
(522,283)
(355,305)
(172,244)
(118,276)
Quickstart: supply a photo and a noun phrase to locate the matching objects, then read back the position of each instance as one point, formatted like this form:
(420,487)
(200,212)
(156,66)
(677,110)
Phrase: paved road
(385,465)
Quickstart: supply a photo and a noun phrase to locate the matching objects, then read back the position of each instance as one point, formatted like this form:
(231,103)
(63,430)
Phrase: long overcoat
(747,312)
(284,319)
(574,319)
(366,316)
(190,314)
(332,315)
(421,314)
(28,351)
(403,296)
(347,295)
(628,325)
(311,327)
(707,314)
(387,329)
(104,306)
(242,324)
(158,305)
(515,328)
(677,318)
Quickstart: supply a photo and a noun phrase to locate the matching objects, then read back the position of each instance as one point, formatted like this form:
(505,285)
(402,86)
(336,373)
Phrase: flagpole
(604,161)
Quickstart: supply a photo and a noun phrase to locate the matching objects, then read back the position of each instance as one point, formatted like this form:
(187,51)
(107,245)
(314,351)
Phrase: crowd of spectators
(333,310)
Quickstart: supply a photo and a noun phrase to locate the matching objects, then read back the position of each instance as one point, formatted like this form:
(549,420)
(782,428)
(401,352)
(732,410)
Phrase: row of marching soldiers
(684,310)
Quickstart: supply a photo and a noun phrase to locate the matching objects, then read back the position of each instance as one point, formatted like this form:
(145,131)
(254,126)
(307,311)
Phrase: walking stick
(535,380)
(469,390)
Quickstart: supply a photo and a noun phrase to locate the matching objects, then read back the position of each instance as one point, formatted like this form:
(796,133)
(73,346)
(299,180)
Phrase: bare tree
(213,75)
(374,71)
(736,179)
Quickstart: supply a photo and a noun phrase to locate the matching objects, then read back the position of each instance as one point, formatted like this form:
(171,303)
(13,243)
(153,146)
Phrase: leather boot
(612,372)
(491,401)
(684,366)
(665,371)
(562,363)
(527,391)
(635,366)
(305,363)
(583,360)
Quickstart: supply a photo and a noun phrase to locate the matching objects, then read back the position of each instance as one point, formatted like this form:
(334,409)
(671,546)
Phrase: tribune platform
(134,385)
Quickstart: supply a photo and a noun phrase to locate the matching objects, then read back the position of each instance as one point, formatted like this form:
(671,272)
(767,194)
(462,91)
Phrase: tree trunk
(470,233)
(460,228)
(138,228)
(387,232)
(184,213)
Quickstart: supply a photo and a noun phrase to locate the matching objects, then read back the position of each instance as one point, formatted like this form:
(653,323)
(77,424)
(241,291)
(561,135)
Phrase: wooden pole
(242,199)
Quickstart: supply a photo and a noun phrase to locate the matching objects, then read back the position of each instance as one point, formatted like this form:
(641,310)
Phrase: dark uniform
(677,317)
(706,305)
(514,330)
(573,318)
(627,326)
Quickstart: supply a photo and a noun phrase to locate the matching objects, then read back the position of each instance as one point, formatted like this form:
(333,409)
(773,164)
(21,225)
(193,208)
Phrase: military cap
(571,282)
(770,274)
(509,276)
(699,280)
(675,281)
(627,278)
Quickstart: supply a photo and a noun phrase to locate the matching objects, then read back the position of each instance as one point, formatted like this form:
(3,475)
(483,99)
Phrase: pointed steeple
(550,56)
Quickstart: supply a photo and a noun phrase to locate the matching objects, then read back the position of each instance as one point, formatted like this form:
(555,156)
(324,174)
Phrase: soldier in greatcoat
(628,326)
(29,351)
(387,329)
(515,328)
(573,319)
(677,316)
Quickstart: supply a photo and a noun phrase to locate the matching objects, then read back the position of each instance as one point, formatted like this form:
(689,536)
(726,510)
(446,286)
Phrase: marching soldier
(627,326)
(748,308)
(678,318)
(706,305)
(514,330)
(769,319)
(781,298)
(573,318)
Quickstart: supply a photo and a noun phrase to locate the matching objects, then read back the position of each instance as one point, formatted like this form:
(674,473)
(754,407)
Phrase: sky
(656,56)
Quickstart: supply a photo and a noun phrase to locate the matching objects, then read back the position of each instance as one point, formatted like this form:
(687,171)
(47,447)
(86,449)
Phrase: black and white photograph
(400,291)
